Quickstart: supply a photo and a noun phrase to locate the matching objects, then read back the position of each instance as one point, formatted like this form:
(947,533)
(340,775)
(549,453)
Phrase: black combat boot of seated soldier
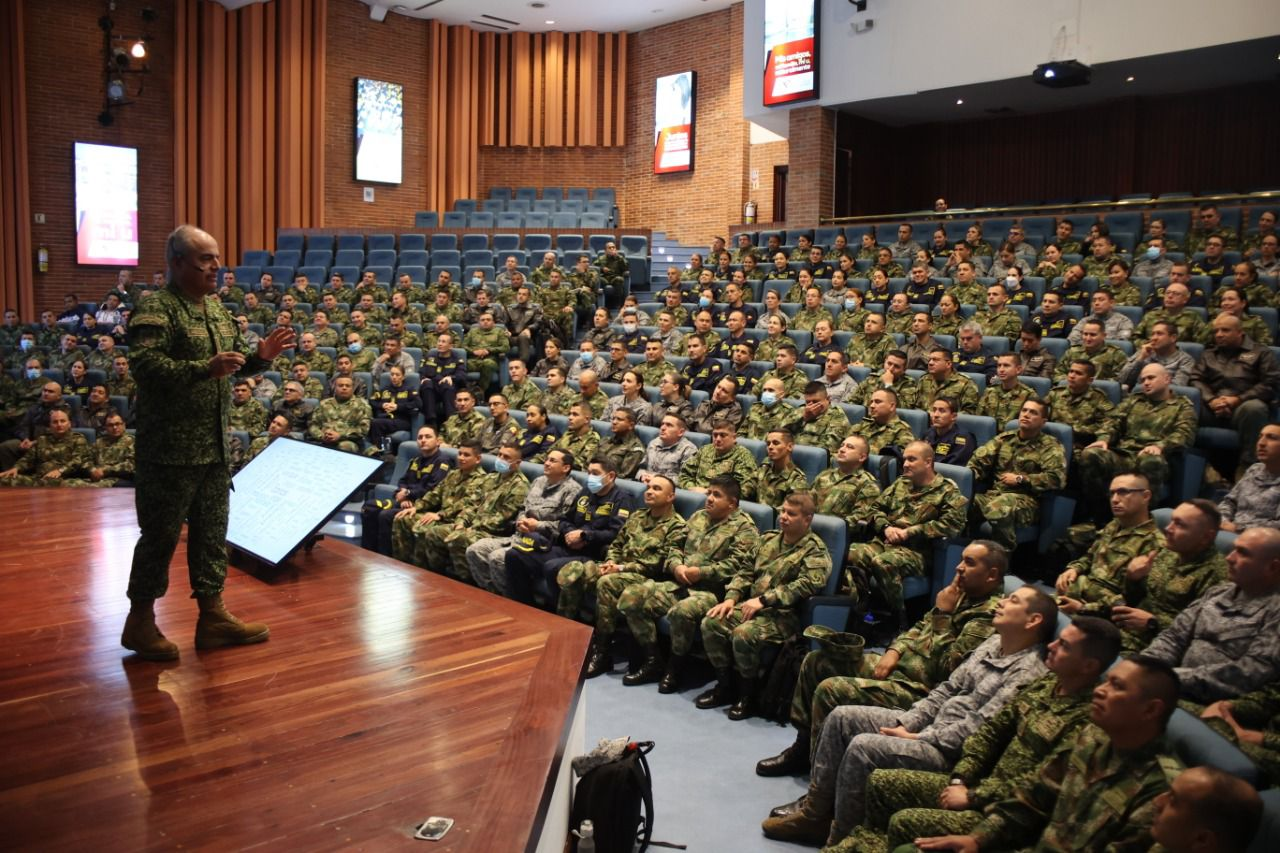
(720,694)
(745,706)
(600,658)
(671,678)
(649,669)
(792,761)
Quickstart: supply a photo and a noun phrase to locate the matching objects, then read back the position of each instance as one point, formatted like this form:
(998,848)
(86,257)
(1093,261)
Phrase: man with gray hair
(182,346)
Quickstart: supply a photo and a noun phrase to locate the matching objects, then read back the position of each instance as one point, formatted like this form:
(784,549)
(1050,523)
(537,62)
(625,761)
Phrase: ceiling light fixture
(1128,79)
(959,101)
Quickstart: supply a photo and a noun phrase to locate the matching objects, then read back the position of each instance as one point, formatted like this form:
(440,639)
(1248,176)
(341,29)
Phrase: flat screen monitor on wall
(379,131)
(790,50)
(673,113)
(106,204)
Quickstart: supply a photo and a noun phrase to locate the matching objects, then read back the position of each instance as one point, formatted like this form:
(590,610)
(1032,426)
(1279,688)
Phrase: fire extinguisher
(749,213)
(42,259)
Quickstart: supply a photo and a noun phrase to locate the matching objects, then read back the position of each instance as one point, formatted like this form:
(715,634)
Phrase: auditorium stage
(386,695)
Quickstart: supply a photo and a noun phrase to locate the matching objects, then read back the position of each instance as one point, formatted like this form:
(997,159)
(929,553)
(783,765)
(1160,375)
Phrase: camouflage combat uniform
(1108,360)
(762,419)
(907,389)
(489,512)
(497,341)
(1085,413)
(583,446)
(459,492)
(1003,405)
(793,382)
(720,551)
(782,578)
(459,428)
(642,548)
(627,453)
(773,486)
(895,433)
(1168,588)
(827,431)
(846,496)
(493,434)
(349,419)
(958,388)
(863,350)
(929,513)
(738,462)
(251,417)
(1137,423)
(1041,465)
(182,469)
(70,455)
(1100,573)
(521,396)
(1089,796)
(115,458)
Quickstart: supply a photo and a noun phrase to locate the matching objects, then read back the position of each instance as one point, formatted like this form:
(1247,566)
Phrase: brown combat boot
(142,636)
(217,628)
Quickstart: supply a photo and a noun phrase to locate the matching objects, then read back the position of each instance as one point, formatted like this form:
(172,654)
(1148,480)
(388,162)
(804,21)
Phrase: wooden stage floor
(385,695)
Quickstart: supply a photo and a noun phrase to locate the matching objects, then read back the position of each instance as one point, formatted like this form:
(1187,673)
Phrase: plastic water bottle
(586,837)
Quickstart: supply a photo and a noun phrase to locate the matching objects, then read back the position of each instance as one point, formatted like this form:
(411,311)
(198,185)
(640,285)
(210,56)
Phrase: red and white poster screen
(106,205)
(673,123)
(791,51)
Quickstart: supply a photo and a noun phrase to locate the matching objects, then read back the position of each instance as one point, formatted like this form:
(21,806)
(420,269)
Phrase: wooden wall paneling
(608,110)
(539,83)
(521,90)
(487,86)
(554,131)
(229,126)
(314,133)
(620,98)
(16,251)
(503,106)
(213,90)
(571,90)
(588,90)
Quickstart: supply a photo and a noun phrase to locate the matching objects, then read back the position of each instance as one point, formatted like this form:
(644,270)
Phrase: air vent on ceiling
(501,20)
(1000,111)
(427,5)
(487,24)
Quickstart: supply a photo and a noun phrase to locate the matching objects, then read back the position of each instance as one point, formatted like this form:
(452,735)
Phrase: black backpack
(611,796)
(775,697)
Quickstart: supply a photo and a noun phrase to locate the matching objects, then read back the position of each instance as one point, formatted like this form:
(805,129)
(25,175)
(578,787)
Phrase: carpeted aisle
(706,793)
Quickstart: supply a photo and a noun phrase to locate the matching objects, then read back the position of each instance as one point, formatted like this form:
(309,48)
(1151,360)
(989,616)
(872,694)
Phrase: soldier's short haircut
(802,502)
(293,386)
(1158,680)
(1043,404)
(627,414)
(785,433)
(502,397)
(180,242)
(1118,263)
(896,353)
(695,336)
(971,326)
(749,344)
(288,421)
(605,462)
(1230,809)
(1017,359)
(471,444)
(509,445)
(678,418)
(1185,266)
(724,423)
(1209,510)
(949,403)
(791,348)
(727,484)
(1044,605)
(942,350)
(892,393)
(1094,321)
(1090,368)
(815,388)
(565,455)
(997,556)
(1030,328)
(399,340)
(244,382)
(1101,639)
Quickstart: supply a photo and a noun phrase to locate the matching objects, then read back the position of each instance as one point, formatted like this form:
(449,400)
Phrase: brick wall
(694,206)
(394,51)
(810,187)
(64,71)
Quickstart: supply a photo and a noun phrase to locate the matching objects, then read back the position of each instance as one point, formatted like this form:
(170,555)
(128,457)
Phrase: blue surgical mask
(1153,252)
(33,373)
(1012,283)
(353,348)
(501,465)
(768,398)
(628,327)
(851,305)
(585,357)
(26,344)
(595,483)
(704,302)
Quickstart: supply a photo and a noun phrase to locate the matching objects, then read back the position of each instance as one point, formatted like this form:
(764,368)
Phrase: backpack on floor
(612,796)
(775,697)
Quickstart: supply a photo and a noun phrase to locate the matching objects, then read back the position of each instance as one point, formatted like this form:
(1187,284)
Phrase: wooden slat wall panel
(487,89)
(608,108)
(570,90)
(539,87)
(619,114)
(521,90)
(17,286)
(588,90)
(553,134)
(249,120)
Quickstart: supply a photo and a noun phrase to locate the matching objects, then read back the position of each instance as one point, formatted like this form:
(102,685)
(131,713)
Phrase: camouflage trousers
(486,560)
(165,497)
(737,642)
(55,482)
(1098,466)
(642,605)
(902,805)
(885,564)
(442,547)
(849,749)
(822,687)
(488,368)
(1005,512)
